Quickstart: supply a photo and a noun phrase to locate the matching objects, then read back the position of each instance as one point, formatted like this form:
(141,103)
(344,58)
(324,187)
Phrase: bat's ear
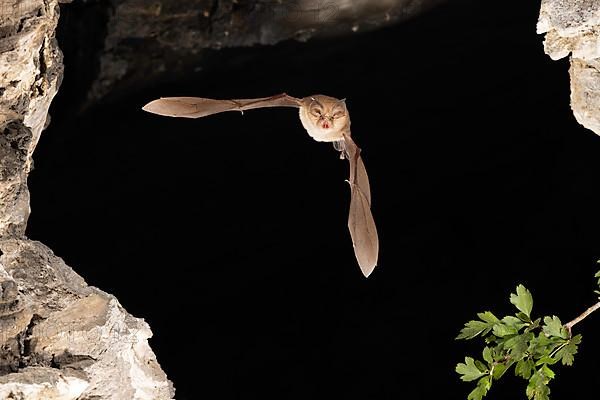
(343,101)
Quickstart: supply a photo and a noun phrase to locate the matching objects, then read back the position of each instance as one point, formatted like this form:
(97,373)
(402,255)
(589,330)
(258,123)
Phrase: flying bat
(326,119)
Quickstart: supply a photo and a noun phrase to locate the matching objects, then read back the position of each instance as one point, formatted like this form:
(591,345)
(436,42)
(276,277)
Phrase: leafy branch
(532,346)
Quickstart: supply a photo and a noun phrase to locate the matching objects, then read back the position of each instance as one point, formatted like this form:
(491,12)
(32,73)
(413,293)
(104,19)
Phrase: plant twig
(571,324)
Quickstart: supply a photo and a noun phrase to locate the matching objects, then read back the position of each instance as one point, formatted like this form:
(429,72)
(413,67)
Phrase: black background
(228,234)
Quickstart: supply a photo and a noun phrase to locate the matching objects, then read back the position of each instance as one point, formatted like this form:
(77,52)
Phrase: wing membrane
(196,107)
(360,219)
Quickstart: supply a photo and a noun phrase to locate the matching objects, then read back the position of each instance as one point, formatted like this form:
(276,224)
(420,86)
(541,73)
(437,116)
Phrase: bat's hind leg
(340,145)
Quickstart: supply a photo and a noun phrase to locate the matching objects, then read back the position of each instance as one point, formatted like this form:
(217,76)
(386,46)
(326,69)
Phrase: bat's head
(325,118)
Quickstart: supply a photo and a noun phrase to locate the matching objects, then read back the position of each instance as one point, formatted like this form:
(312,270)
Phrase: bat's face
(324,118)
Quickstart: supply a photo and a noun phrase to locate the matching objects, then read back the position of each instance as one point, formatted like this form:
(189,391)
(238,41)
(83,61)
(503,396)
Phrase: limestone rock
(572,27)
(30,73)
(585,92)
(41,383)
(63,339)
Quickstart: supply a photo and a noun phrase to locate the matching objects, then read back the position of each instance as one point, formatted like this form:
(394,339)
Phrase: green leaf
(523,317)
(542,340)
(499,370)
(524,368)
(469,370)
(567,353)
(598,276)
(538,389)
(543,345)
(487,316)
(553,327)
(514,322)
(502,330)
(522,300)
(487,355)
(546,360)
(547,372)
(481,366)
(489,339)
(474,328)
(508,326)
(534,325)
(518,345)
(483,385)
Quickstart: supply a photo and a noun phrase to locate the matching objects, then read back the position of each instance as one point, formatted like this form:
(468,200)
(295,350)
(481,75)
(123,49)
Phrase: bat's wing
(196,107)
(360,221)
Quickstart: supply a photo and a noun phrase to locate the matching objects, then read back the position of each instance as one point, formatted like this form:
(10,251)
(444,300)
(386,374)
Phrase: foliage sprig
(532,346)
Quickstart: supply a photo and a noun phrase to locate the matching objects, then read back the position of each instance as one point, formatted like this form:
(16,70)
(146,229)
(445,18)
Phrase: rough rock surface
(62,339)
(573,27)
(59,338)
(30,73)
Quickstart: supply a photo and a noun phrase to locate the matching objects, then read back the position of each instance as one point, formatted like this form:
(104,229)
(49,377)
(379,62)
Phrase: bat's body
(326,119)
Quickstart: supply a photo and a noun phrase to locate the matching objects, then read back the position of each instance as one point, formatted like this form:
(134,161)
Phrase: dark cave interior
(228,234)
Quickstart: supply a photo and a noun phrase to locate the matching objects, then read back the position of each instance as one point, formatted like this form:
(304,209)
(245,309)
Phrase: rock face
(63,339)
(59,338)
(30,73)
(573,27)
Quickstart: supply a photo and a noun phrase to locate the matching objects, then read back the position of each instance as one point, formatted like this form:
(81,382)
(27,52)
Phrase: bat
(326,119)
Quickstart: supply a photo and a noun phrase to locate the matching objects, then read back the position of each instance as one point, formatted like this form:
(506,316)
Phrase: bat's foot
(340,146)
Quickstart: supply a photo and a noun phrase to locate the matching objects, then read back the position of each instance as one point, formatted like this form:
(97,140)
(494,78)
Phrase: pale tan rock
(585,92)
(30,73)
(42,383)
(572,27)
(80,339)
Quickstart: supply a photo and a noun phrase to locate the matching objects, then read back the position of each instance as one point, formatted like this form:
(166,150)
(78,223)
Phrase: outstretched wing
(196,107)
(360,220)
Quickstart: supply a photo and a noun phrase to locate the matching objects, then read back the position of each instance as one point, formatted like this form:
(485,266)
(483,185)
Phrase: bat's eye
(316,112)
(338,114)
